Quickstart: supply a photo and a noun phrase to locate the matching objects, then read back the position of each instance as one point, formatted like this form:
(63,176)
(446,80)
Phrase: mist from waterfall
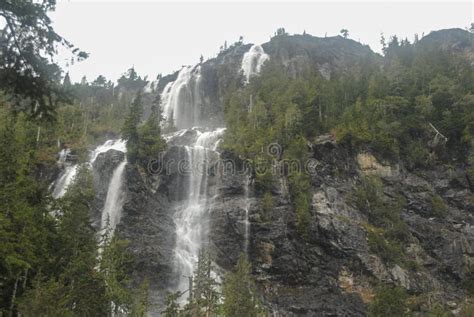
(191,217)
(253,60)
(181,100)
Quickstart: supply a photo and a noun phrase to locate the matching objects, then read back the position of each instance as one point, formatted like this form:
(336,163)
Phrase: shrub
(267,203)
(438,206)
(390,251)
(389,302)
(299,190)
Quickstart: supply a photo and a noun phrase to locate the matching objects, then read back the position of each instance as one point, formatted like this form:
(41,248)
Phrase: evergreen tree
(239,291)
(67,80)
(204,296)
(85,288)
(27,44)
(114,260)
(150,142)
(141,302)
(344,33)
(172,307)
(130,128)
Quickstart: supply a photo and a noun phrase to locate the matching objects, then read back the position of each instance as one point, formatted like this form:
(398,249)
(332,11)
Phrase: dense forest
(413,105)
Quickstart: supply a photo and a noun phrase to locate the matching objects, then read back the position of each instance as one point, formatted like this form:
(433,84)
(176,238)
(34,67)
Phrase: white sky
(158,37)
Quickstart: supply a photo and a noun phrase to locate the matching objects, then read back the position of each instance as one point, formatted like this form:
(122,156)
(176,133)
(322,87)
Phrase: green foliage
(150,142)
(26,226)
(45,299)
(172,306)
(468,283)
(467,309)
(28,43)
(299,189)
(438,206)
(204,297)
(386,241)
(267,203)
(141,300)
(439,311)
(389,302)
(114,261)
(239,291)
(144,142)
(390,251)
(130,128)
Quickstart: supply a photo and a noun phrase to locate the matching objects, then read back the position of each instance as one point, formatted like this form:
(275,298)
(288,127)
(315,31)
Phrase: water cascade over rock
(64,180)
(70,169)
(181,100)
(191,217)
(253,60)
(115,196)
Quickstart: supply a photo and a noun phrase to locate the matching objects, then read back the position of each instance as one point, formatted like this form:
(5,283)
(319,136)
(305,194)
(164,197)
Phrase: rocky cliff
(332,270)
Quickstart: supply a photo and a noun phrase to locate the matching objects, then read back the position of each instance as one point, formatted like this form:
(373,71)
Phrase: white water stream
(191,217)
(253,60)
(181,99)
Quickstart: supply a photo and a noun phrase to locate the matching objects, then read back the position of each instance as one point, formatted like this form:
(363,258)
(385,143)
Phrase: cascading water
(190,219)
(119,145)
(61,185)
(181,99)
(115,196)
(246,219)
(253,60)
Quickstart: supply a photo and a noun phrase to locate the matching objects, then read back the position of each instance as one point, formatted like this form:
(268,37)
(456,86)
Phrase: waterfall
(61,185)
(119,145)
(246,219)
(253,61)
(181,99)
(190,219)
(115,196)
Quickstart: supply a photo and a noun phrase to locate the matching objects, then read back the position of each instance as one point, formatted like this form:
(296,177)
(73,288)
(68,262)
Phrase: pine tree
(67,80)
(27,44)
(141,304)
(114,260)
(172,306)
(239,291)
(150,142)
(204,298)
(85,288)
(130,128)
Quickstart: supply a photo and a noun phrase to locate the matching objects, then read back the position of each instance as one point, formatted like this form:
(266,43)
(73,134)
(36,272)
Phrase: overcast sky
(158,37)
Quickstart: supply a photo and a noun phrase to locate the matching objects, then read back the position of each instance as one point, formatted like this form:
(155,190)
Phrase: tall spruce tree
(130,128)
(239,291)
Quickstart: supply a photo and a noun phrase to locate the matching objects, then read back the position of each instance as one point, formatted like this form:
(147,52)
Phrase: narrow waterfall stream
(191,217)
(115,196)
(246,219)
(64,180)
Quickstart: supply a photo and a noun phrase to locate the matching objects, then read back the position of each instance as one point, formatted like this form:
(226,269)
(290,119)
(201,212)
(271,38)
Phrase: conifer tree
(239,291)
(204,298)
(130,128)
(150,142)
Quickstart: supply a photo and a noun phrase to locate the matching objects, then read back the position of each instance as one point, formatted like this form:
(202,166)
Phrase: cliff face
(332,270)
